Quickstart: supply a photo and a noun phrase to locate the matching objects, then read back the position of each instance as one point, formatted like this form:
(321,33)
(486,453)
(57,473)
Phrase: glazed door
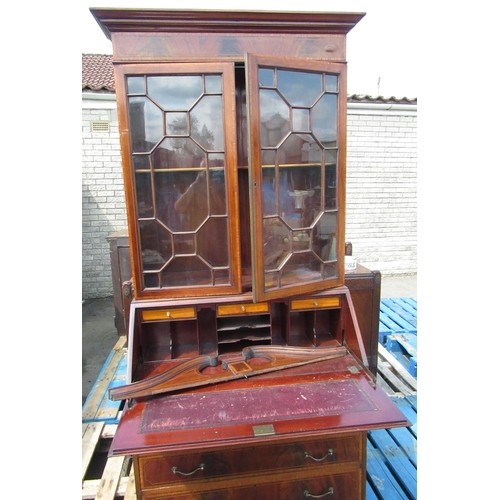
(297,120)
(178,132)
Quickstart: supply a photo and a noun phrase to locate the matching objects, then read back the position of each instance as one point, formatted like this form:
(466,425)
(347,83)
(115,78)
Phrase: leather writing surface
(255,405)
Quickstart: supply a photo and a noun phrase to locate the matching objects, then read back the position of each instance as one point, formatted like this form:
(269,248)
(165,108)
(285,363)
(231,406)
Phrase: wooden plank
(91,435)
(397,367)
(110,479)
(380,477)
(408,341)
(393,380)
(404,472)
(100,389)
(130,491)
(90,489)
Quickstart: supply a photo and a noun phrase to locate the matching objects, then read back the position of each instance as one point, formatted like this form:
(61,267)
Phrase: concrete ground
(99,334)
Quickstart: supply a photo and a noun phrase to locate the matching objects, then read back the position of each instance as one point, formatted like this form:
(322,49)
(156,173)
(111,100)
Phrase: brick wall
(381,190)
(381,210)
(103,200)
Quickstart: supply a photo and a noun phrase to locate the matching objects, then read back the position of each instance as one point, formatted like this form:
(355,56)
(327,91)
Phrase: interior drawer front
(166,469)
(318,303)
(169,314)
(238,309)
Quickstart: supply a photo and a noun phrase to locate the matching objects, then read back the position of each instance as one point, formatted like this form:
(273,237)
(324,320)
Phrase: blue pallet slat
(398,306)
(406,441)
(107,406)
(396,461)
(402,325)
(380,477)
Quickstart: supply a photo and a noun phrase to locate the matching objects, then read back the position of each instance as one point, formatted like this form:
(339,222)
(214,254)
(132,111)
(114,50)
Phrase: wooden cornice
(218,21)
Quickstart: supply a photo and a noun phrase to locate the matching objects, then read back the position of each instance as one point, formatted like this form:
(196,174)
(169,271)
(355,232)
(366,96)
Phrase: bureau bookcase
(248,372)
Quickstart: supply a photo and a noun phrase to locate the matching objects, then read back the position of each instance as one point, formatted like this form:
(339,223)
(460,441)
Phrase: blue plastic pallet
(391,470)
(98,407)
(397,315)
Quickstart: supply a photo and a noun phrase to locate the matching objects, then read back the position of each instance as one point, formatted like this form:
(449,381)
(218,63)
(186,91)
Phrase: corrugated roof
(97,76)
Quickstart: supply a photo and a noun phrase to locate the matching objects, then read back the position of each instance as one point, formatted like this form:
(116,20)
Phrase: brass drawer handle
(175,470)
(328,492)
(329,453)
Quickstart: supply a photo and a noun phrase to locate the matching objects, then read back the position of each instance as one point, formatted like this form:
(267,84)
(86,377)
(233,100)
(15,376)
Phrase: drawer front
(342,486)
(317,303)
(166,469)
(238,309)
(169,314)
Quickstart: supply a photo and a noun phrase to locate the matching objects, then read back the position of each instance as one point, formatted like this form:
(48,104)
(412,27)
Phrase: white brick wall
(381,210)
(103,199)
(381,207)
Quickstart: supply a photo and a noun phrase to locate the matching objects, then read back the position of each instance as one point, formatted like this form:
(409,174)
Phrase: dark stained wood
(207,370)
(294,432)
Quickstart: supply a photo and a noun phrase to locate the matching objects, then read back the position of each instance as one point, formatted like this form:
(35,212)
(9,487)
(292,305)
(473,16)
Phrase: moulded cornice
(218,21)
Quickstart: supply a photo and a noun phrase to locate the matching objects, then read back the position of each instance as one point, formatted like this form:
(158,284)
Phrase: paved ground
(99,333)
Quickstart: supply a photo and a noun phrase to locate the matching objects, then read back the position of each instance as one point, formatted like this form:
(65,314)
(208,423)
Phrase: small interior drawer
(246,308)
(169,314)
(315,303)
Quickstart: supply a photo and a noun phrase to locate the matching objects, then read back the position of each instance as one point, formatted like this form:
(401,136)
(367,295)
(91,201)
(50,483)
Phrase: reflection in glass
(144,195)
(179,158)
(146,124)
(300,224)
(266,77)
(136,85)
(274,118)
(176,92)
(213,84)
(324,120)
(178,153)
(299,88)
(206,123)
(177,123)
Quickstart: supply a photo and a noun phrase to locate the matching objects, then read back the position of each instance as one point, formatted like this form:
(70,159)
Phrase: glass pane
(175,93)
(184,244)
(136,85)
(324,120)
(331,83)
(186,271)
(141,162)
(330,179)
(177,123)
(156,245)
(206,123)
(274,118)
(266,77)
(300,120)
(213,84)
(168,188)
(144,195)
(269,197)
(324,237)
(192,203)
(212,242)
(146,124)
(299,88)
(216,160)
(301,267)
(178,153)
(217,193)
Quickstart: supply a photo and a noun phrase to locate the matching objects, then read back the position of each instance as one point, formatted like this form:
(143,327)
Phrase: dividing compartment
(242,325)
(314,322)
